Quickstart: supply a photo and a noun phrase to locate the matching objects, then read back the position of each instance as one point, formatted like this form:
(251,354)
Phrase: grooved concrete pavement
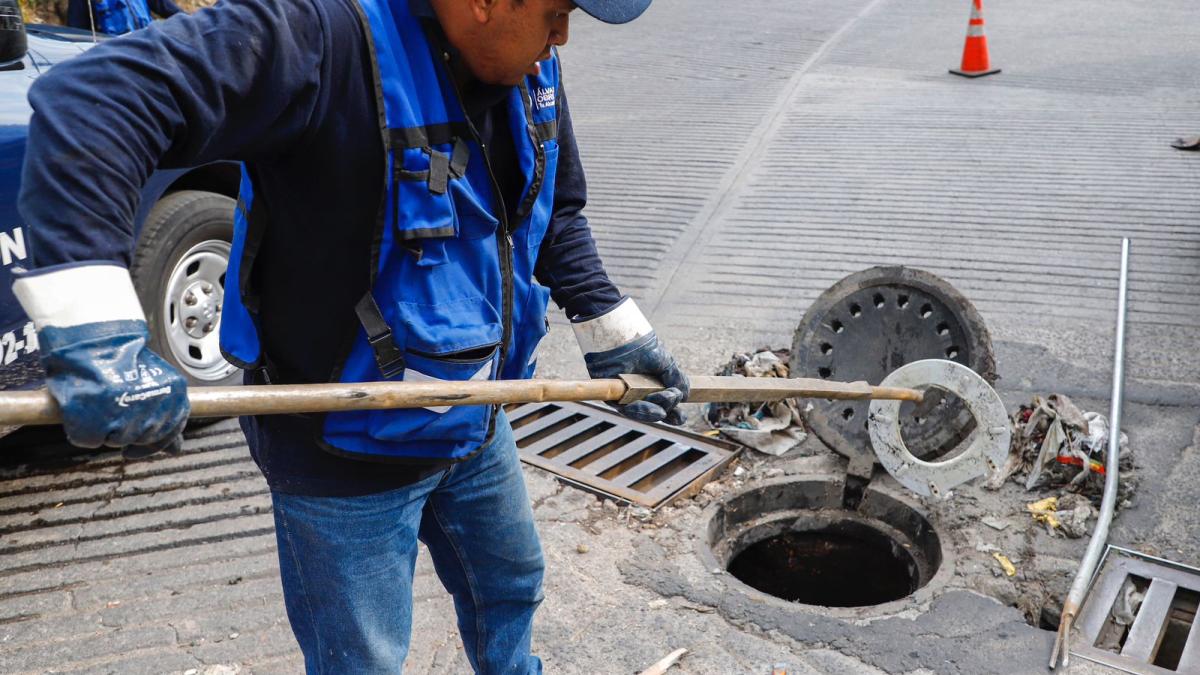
(1016,188)
(742,157)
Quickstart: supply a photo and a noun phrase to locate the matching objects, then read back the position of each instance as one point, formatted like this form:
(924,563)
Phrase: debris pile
(773,428)
(1056,446)
(1068,514)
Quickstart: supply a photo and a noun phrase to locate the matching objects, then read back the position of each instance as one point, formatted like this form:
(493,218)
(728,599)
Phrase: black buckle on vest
(444,166)
(389,359)
(439,171)
(388,356)
(461,154)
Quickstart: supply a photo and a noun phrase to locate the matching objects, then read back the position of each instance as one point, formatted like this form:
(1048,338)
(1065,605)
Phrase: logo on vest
(544,98)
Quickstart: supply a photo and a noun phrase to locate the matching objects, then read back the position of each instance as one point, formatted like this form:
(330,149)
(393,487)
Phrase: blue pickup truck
(185,225)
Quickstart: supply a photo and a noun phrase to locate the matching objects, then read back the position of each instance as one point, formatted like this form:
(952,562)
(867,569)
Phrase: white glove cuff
(619,326)
(77,294)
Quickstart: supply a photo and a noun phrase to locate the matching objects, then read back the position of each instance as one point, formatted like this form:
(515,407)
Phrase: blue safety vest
(117,17)
(452,291)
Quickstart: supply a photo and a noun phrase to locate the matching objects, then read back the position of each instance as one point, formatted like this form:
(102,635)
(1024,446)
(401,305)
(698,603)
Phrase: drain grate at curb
(1140,614)
(599,450)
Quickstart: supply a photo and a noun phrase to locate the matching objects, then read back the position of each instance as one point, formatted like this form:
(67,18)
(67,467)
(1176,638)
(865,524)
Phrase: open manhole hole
(792,540)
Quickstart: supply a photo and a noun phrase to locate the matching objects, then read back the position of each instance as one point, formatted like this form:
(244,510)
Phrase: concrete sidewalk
(742,157)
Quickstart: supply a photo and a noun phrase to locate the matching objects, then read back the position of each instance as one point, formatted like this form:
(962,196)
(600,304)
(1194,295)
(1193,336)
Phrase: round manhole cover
(871,323)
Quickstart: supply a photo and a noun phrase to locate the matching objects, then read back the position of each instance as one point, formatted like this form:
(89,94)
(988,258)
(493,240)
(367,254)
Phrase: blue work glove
(621,341)
(92,338)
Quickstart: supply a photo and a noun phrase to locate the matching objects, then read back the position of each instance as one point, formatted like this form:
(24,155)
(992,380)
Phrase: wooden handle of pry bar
(727,389)
(37,407)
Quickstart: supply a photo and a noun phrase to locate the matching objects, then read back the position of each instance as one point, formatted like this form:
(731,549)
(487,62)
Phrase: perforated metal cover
(871,323)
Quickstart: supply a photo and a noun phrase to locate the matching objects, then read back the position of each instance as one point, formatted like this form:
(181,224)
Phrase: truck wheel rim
(192,311)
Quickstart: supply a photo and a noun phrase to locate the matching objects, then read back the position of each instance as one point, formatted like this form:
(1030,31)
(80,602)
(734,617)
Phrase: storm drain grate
(599,450)
(1139,615)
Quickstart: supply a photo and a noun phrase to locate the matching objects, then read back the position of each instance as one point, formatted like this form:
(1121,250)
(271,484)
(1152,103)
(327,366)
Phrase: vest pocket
(528,332)
(443,328)
(422,210)
(472,219)
(418,212)
(440,423)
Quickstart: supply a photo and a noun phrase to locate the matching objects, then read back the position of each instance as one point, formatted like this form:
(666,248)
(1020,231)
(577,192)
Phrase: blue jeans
(347,566)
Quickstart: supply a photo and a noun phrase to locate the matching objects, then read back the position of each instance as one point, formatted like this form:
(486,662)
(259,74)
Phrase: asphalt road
(742,156)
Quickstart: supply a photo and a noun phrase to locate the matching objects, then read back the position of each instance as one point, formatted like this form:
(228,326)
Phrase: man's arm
(235,82)
(613,334)
(568,262)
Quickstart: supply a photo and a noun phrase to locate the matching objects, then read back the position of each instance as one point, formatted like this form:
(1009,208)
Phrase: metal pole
(1087,568)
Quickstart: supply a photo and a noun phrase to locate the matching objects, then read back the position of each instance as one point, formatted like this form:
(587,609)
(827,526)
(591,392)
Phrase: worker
(117,17)
(412,197)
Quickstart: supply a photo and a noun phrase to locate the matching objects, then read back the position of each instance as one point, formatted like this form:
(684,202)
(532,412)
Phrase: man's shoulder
(342,24)
(332,27)
(342,16)
(333,18)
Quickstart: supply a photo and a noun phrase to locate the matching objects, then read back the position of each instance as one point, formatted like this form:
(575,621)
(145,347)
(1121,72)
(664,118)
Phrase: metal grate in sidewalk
(1140,614)
(599,450)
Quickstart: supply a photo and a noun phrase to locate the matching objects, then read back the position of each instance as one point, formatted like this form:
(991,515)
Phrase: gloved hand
(92,338)
(622,341)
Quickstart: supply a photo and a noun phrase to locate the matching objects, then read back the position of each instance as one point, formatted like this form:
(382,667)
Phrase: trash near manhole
(1140,614)
(597,449)
(791,539)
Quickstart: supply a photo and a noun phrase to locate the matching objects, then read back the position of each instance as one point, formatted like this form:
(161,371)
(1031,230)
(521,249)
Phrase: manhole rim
(922,596)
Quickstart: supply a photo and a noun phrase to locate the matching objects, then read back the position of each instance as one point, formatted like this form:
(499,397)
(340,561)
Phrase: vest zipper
(503,240)
(397,166)
(539,163)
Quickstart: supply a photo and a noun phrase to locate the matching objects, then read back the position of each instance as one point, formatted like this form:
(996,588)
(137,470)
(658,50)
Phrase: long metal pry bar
(37,407)
(1087,568)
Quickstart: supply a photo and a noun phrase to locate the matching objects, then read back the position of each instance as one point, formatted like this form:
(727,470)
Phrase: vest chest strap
(442,167)
(388,356)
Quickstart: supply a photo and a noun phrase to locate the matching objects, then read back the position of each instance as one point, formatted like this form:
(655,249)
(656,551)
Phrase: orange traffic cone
(975,51)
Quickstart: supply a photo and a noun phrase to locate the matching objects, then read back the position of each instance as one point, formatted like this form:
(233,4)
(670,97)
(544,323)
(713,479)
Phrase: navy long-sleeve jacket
(285,86)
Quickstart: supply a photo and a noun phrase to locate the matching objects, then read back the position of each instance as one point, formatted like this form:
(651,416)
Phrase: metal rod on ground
(1087,568)
(37,407)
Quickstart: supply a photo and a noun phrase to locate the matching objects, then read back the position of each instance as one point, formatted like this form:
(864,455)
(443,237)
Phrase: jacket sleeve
(568,262)
(237,81)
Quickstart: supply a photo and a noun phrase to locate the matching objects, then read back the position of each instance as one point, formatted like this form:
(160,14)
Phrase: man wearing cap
(411,199)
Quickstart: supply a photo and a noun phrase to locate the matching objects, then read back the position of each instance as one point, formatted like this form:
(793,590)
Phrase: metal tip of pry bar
(1062,644)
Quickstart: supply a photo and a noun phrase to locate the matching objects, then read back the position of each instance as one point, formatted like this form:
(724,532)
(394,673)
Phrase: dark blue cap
(614,11)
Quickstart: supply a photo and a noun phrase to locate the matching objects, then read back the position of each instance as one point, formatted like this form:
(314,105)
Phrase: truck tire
(179,272)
